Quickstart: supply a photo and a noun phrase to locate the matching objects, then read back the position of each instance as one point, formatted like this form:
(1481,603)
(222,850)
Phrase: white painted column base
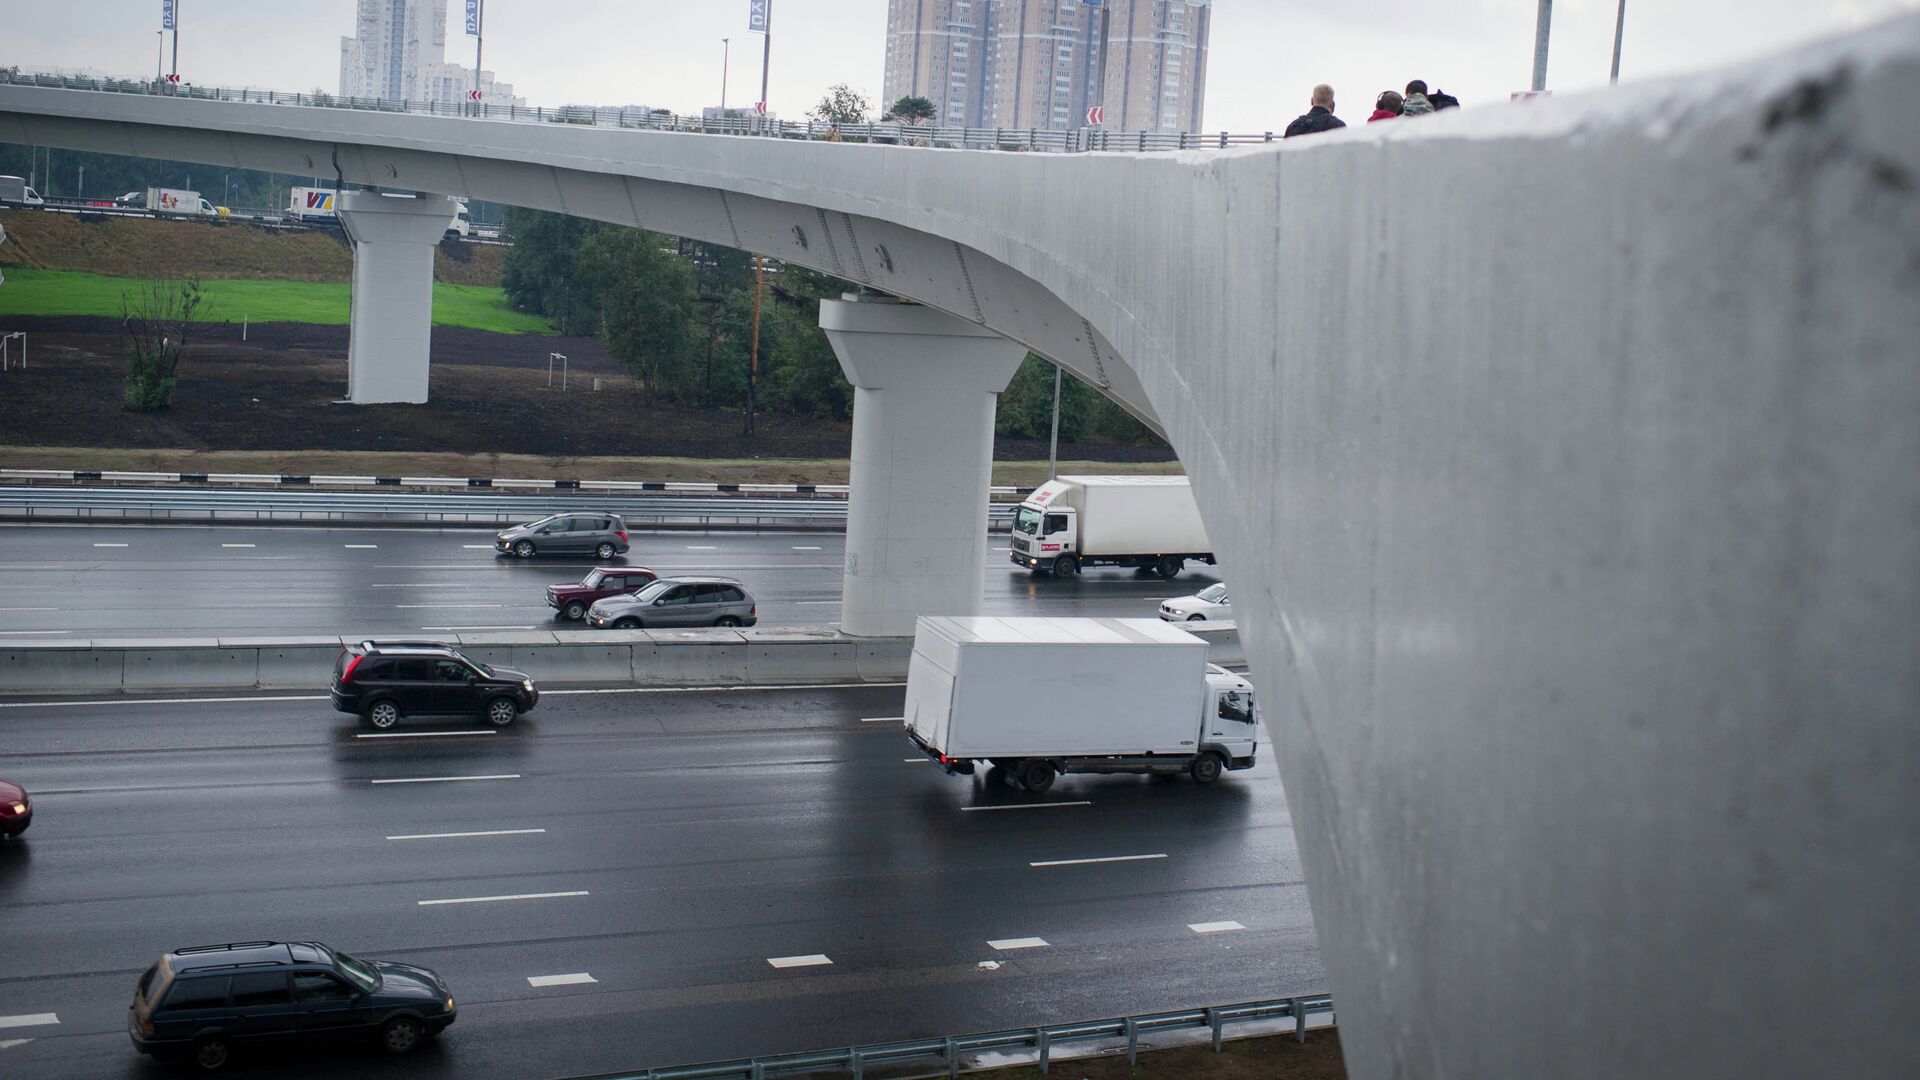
(391,337)
(925,388)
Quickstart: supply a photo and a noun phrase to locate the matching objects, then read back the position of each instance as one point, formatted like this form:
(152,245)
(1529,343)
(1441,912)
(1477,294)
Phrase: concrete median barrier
(594,658)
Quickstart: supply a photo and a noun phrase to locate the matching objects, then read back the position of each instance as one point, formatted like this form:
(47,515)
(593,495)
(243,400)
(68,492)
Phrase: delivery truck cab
(1035,698)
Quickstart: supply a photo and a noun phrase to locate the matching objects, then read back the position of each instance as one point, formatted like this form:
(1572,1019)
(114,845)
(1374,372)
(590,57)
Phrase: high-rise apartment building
(398,52)
(1042,63)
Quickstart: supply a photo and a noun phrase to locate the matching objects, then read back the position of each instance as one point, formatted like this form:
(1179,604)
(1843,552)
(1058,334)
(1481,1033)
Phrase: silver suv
(604,535)
(682,601)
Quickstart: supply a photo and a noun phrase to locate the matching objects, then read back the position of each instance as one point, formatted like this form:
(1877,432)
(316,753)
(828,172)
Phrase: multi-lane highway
(715,873)
(189,580)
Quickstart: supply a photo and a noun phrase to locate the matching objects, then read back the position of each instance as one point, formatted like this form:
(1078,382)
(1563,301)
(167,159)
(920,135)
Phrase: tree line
(680,316)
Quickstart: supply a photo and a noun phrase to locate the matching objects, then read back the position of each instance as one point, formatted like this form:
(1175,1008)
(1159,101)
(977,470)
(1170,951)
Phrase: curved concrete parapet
(1566,458)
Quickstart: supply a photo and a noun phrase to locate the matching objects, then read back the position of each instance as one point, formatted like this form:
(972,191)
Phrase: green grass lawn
(66,292)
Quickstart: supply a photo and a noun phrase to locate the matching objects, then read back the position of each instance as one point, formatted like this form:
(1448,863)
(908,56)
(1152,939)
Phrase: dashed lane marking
(883,719)
(1010,944)
(109,545)
(497,899)
(446,779)
(423,607)
(361,547)
(1102,859)
(810,960)
(29,1020)
(239,545)
(463,835)
(544,693)
(422,734)
(1214,927)
(578,978)
(455,629)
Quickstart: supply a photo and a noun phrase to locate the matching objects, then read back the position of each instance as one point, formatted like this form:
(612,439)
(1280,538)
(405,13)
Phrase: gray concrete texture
(1563,459)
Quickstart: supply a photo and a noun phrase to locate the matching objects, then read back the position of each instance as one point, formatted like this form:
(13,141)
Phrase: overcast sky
(1266,54)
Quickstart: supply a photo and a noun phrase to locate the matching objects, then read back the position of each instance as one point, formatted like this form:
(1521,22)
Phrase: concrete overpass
(1563,457)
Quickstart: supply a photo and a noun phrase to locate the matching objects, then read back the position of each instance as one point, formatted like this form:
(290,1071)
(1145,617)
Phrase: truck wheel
(1206,768)
(1037,776)
(1170,567)
(1065,566)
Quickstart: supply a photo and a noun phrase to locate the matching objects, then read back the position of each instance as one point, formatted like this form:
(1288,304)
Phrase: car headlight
(18,808)
(528,683)
(449,1002)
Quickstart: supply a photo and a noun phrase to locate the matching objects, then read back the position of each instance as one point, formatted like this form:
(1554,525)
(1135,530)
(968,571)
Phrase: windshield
(653,592)
(359,971)
(593,579)
(1214,594)
(1027,521)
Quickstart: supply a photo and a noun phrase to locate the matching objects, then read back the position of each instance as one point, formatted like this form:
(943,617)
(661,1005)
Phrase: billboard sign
(473,18)
(757,15)
(166,15)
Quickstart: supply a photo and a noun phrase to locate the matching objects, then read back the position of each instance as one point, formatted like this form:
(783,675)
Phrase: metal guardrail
(855,1061)
(1013,139)
(76,476)
(664,510)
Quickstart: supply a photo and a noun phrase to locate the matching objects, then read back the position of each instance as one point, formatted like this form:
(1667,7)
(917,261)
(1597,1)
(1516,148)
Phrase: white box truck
(14,190)
(311,204)
(1147,522)
(178,201)
(1034,698)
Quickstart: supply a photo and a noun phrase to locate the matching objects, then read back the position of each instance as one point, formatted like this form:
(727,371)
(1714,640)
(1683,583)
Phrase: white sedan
(1210,603)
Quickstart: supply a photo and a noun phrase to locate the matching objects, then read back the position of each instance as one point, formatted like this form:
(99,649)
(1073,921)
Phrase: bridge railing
(1032,140)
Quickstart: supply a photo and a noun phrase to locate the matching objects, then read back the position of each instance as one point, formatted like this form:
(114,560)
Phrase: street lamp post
(766,59)
(1619,31)
(726,57)
(1542,30)
(479,44)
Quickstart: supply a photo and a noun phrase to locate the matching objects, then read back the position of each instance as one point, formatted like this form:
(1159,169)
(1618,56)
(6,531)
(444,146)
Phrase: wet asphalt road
(705,834)
(82,581)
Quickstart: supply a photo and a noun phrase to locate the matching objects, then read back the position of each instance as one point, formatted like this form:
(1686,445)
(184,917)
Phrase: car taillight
(753,609)
(622,534)
(146,1027)
(347,675)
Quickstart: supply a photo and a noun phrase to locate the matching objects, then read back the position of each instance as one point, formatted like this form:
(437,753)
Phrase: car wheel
(1065,566)
(383,714)
(211,1054)
(501,711)
(1037,776)
(575,610)
(1196,617)
(605,552)
(1206,768)
(1170,567)
(400,1035)
(626,624)
(523,548)
(726,621)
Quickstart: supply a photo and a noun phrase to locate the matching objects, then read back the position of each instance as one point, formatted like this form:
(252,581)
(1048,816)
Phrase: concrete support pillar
(394,239)
(925,387)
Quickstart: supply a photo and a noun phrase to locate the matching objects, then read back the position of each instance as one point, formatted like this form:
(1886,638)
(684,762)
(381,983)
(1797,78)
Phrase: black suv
(200,1002)
(385,680)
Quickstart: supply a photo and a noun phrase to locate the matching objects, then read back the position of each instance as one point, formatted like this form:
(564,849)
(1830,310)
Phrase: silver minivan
(603,535)
(681,601)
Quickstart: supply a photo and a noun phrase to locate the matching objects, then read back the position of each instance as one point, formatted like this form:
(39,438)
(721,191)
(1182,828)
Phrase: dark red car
(572,601)
(16,810)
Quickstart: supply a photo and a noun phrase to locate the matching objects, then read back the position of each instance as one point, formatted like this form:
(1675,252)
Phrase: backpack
(1443,100)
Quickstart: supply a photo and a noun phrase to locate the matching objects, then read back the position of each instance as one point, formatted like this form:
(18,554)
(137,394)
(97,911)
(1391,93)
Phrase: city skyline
(1263,60)
(398,53)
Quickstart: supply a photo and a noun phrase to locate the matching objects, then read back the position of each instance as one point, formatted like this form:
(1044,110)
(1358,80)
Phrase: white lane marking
(153,701)
(421,607)
(361,547)
(883,719)
(810,960)
(915,760)
(28,633)
(544,693)
(109,545)
(813,603)
(29,609)
(1214,927)
(239,545)
(1105,859)
(451,628)
(421,734)
(478,547)
(798,547)
(493,899)
(29,1020)
(459,835)
(989,965)
(1025,806)
(701,547)
(447,779)
(578,978)
(422,585)
(1009,944)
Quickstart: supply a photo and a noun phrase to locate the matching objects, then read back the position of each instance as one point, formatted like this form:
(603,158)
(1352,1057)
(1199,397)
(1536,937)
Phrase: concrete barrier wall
(607,658)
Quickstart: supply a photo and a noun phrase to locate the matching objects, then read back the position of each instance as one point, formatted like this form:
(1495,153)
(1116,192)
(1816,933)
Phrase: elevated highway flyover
(1561,455)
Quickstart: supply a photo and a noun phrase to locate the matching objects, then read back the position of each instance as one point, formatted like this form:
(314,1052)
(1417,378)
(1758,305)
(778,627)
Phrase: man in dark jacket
(1318,118)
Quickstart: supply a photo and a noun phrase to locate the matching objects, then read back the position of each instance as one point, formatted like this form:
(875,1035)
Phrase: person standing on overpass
(1317,118)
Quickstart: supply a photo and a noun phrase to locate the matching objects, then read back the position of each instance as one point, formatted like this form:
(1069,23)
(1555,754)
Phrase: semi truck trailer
(1147,522)
(311,204)
(1035,698)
